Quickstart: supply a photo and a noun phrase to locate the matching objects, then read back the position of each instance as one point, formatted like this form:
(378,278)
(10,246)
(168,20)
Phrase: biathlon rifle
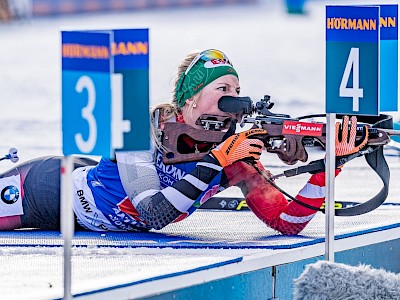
(286,136)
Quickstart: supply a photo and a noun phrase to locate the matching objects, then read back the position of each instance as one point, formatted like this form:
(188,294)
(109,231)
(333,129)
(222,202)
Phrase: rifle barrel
(390,131)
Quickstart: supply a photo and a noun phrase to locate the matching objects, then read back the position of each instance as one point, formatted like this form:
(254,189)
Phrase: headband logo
(216,63)
(198,77)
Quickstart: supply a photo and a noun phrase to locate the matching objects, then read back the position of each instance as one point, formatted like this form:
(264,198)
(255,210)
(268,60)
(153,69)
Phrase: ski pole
(12,155)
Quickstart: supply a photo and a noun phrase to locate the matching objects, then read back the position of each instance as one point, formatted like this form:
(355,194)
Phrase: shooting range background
(275,53)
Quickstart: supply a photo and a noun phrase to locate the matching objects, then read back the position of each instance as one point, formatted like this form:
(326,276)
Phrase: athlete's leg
(38,189)
(42,188)
(12,195)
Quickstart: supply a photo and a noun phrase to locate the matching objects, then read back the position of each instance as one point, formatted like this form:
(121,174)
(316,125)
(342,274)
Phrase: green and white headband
(204,68)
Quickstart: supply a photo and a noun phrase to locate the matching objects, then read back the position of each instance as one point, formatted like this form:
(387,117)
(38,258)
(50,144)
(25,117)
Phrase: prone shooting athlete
(136,191)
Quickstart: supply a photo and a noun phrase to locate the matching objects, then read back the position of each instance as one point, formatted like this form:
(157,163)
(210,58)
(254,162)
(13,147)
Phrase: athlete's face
(206,101)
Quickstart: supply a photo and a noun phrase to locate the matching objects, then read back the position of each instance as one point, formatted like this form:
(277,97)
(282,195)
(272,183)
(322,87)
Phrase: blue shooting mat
(214,229)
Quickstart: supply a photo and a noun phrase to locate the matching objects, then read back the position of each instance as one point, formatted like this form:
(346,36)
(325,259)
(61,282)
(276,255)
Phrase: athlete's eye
(223,88)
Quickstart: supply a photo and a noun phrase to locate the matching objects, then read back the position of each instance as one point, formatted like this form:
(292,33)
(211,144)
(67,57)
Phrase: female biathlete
(137,192)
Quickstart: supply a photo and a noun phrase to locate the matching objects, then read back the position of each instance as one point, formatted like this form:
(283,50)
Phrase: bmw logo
(233,204)
(10,194)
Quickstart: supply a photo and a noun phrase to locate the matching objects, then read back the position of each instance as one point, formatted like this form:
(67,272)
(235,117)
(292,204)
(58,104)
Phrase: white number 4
(355,92)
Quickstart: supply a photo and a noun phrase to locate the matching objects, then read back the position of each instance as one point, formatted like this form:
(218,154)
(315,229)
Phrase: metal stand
(330,187)
(67,221)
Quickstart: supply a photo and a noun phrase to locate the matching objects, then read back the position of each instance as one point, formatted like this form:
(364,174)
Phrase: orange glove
(239,147)
(347,143)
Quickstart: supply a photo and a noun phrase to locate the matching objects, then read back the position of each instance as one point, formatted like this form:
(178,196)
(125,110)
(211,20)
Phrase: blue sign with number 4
(352,60)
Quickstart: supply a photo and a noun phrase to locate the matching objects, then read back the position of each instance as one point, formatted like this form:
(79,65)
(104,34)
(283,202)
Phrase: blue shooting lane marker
(86,93)
(105,91)
(131,60)
(389,49)
(352,60)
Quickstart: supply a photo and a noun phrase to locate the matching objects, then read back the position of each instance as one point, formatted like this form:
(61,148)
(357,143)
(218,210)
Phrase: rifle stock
(171,137)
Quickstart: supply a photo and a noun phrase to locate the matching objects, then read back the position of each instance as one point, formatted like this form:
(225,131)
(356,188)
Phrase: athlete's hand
(239,147)
(346,142)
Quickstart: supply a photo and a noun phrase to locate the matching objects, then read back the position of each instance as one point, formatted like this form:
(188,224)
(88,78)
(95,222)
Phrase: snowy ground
(275,53)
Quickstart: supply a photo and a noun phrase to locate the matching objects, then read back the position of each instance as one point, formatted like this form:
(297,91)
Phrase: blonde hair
(167,110)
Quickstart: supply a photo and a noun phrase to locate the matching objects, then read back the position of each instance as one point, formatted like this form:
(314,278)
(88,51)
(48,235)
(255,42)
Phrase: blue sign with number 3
(105,91)
(86,93)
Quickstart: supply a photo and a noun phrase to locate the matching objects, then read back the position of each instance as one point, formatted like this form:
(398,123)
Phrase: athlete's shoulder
(134,157)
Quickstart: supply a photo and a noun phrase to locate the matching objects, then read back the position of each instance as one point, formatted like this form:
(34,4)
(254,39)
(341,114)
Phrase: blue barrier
(57,7)
(295,6)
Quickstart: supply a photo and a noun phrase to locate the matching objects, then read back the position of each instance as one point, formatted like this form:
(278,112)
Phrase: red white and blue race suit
(137,191)
(170,193)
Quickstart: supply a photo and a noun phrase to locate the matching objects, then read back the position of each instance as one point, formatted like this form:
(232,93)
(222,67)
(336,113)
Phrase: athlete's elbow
(295,229)
(155,221)
(157,211)
(157,225)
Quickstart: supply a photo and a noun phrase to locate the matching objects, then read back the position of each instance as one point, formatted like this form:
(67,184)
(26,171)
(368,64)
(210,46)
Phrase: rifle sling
(376,160)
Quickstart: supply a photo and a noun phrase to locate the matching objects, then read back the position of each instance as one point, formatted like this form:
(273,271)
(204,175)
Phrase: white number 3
(87,113)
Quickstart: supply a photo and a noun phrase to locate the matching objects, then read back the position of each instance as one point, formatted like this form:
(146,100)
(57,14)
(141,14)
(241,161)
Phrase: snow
(275,53)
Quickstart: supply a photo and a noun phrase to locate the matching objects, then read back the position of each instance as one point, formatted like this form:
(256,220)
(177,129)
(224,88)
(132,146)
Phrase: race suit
(148,194)
(139,192)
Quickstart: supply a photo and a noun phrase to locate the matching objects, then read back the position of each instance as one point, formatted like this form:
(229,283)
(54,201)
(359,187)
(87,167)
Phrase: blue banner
(352,24)
(86,51)
(130,49)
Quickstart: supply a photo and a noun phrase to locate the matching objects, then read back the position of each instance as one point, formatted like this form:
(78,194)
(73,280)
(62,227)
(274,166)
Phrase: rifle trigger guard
(258,123)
